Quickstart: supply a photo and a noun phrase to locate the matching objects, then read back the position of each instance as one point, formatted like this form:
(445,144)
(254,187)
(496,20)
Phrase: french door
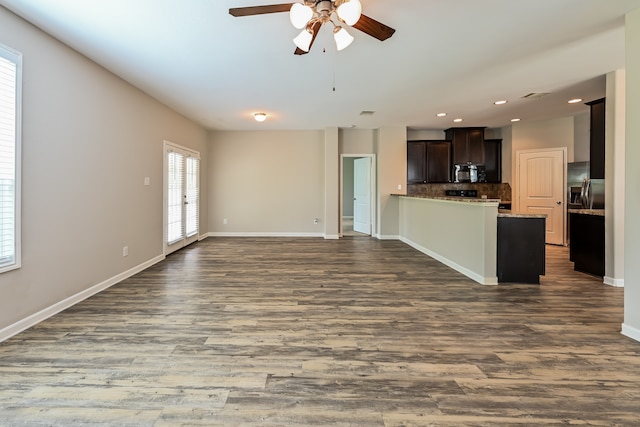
(181,196)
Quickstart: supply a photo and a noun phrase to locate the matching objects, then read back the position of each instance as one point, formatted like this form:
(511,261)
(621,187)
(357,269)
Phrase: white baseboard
(470,274)
(331,236)
(386,237)
(631,332)
(618,283)
(261,234)
(56,308)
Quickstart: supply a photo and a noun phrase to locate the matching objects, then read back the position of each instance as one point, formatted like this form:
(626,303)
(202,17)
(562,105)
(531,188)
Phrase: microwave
(469,172)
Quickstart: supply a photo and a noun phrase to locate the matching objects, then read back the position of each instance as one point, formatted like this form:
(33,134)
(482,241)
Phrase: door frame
(516,183)
(372,190)
(168,145)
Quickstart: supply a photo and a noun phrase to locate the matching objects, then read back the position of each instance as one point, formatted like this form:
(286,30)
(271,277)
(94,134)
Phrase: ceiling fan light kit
(303,40)
(310,15)
(299,15)
(350,11)
(342,38)
(312,12)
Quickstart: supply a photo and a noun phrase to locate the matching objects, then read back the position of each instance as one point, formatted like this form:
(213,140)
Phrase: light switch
(399,186)
(147,180)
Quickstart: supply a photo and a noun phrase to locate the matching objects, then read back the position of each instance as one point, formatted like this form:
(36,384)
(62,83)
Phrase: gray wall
(89,139)
(632,178)
(266,182)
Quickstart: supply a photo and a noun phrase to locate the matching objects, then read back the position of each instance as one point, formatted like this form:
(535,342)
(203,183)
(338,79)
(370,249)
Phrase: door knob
(558,203)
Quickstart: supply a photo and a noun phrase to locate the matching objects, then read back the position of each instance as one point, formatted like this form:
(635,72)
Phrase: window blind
(10,63)
(175,172)
(191,196)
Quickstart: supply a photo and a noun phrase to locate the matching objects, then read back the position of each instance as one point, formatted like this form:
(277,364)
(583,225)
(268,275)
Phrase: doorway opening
(181,210)
(357,194)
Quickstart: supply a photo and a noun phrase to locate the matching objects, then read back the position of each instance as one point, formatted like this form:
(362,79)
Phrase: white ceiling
(454,56)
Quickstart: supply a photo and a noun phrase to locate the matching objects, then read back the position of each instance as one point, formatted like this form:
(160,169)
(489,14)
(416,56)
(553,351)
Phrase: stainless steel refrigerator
(583,192)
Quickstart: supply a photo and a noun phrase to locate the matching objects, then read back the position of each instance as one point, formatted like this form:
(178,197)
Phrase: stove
(461,193)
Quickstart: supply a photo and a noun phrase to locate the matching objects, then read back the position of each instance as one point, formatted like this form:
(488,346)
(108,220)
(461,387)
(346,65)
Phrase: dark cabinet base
(521,249)
(587,243)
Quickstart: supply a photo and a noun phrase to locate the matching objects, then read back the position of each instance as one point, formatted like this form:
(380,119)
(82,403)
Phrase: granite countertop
(454,198)
(506,213)
(595,212)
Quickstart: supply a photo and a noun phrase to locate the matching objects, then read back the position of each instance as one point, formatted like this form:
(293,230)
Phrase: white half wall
(461,235)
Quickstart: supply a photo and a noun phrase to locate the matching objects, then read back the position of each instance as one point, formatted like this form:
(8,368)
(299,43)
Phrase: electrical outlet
(125,251)
(224,221)
(315,220)
(399,186)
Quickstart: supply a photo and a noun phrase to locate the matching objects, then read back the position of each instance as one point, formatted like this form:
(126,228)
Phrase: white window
(10,119)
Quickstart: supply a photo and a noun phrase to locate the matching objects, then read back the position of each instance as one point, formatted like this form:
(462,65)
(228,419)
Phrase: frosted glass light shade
(343,39)
(303,40)
(299,15)
(260,117)
(350,11)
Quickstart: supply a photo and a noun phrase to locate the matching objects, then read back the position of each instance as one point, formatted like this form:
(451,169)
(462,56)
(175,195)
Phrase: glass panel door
(182,196)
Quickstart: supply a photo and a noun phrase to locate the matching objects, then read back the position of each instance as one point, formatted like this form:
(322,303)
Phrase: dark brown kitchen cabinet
(521,249)
(597,135)
(587,243)
(467,144)
(416,162)
(493,159)
(428,161)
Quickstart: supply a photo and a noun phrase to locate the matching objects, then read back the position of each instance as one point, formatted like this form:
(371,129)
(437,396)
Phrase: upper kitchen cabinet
(467,144)
(596,150)
(416,162)
(428,161)
(493,159)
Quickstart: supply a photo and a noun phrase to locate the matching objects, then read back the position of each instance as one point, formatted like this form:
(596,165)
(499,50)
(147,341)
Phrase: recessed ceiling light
(501,102)
(260,117)
(515,120)
(575,101)
(441,114)
(457,120)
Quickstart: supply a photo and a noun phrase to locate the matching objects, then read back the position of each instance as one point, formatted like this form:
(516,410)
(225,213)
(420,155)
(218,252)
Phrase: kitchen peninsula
(463,233)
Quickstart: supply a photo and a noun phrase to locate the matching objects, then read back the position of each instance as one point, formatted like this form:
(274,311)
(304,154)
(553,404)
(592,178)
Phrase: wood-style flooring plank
(313,332)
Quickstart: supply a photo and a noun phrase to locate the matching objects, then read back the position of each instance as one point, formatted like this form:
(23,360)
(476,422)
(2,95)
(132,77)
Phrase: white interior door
(182,197)
(541,188)
(362,195)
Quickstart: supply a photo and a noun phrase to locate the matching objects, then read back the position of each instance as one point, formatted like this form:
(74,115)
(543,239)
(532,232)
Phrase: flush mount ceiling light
(441,114)
(575,100)
(309,15)
(515,120)
(457,120)
(260,117)
(502,102)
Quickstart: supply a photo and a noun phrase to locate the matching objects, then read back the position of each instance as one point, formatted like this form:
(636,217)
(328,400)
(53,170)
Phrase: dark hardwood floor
(311,332)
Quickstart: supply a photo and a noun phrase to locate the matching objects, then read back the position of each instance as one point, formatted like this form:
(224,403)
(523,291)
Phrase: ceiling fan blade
(373,28)
(316,28)
(260,10)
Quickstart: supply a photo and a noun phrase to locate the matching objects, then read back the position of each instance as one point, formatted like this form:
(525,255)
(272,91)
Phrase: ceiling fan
(309,15)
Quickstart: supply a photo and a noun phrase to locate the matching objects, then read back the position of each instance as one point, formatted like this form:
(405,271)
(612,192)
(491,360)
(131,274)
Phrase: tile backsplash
(500,191)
